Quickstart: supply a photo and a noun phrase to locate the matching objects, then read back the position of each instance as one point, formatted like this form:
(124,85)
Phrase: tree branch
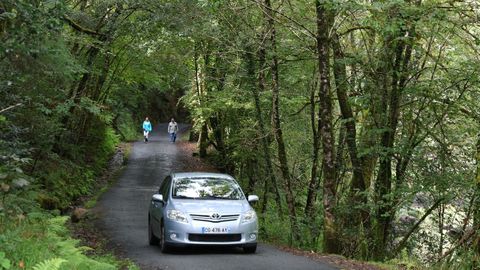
(267,8)
(460,242)
(354,29)
(80,28)
(303,108)
(414,228)
(10,107)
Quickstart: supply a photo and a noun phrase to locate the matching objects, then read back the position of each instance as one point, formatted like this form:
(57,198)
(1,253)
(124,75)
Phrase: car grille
(217,219)
(214,237)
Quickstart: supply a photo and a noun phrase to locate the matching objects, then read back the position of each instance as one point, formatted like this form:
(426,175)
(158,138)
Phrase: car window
(206,188)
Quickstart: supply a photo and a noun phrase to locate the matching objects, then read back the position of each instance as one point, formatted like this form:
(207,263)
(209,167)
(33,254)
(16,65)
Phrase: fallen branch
(10,107)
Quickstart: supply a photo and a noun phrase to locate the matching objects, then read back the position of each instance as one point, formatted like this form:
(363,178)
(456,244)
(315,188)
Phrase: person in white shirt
(172,130)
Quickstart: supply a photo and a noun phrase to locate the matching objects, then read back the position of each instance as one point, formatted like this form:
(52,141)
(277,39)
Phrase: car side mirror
(157,198)
(252,198)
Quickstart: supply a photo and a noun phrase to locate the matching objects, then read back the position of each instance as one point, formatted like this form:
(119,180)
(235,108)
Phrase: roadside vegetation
(356,122)
(41,241)
(57,128)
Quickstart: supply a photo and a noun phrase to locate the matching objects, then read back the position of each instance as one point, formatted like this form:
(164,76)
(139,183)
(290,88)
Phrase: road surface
(123,211)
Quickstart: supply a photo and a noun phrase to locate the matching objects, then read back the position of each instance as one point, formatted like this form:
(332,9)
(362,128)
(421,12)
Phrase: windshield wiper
(183,197)
(218,198)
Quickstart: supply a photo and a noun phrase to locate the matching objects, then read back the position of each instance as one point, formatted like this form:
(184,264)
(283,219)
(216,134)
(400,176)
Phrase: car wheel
(250,249)
(152,239)
(164,247)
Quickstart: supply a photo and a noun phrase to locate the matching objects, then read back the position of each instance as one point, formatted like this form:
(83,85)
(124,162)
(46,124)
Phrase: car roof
(179,175)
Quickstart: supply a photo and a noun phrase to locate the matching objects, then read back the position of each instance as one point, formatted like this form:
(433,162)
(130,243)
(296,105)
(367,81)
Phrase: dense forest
(356,122)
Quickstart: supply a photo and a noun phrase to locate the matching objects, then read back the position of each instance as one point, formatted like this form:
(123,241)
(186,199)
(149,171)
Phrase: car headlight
(177,216)
(249,216)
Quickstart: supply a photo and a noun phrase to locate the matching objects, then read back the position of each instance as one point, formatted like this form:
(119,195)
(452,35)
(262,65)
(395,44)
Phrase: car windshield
(206,188)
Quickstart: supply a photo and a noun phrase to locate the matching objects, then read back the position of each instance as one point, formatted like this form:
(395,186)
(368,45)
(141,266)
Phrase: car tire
(250,249)
(152,239)
(164,246)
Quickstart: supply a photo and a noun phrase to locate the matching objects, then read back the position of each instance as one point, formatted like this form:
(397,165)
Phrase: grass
(93,200)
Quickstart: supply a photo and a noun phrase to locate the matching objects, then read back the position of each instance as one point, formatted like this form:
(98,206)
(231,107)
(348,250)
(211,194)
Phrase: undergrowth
(36,186)
(41,241)
(64,180)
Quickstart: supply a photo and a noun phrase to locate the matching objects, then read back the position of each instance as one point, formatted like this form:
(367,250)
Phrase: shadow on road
(205,250)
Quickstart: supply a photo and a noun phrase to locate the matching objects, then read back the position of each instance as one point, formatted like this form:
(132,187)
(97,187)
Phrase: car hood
(211,206)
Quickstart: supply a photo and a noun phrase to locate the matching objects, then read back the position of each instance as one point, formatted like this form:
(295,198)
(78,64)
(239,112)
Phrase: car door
(158,207)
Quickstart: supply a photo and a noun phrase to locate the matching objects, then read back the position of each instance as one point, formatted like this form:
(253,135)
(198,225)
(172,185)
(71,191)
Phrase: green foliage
(273,229)
(64,180)
(71,79)
(127,127)
(64,183)
(4,262)
(434,128)
(82,74)
(51,264)
(42,242)
(405,261)
(464,259)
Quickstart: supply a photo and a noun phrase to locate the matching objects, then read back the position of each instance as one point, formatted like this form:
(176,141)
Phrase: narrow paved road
(123,218)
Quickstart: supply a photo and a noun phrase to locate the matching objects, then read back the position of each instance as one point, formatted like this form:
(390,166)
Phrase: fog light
(253,236)
(173,236)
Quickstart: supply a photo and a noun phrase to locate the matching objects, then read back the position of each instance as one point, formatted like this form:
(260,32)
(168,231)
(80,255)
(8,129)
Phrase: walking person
(147,128)
(172,130)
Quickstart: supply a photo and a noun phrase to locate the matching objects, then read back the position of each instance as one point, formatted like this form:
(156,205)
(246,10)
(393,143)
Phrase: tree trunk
(324,25)
(276,123)
(358,183)
(201,90)
(203,141)
(383,185)
(261,124)
(314,181)
(357,219)
(476,216)
(218,74)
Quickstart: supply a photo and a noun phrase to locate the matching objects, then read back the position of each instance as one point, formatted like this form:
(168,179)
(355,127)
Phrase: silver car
(202,209)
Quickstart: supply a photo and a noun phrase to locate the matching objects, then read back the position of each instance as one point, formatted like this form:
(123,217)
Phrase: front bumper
(193,233)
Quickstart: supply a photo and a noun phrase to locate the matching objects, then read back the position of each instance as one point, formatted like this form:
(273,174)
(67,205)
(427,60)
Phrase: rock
(4,187)
(20,183)
(403,224)
(454,231)
(421,200)
(407,220)
(79,214)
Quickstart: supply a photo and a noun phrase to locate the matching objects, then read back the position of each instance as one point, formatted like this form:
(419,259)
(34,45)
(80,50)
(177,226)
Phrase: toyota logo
(215,216)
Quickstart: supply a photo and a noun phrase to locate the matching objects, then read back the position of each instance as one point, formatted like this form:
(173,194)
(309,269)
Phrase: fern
(51,264)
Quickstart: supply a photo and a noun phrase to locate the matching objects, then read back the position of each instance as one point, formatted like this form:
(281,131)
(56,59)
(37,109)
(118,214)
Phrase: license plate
(215,230)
